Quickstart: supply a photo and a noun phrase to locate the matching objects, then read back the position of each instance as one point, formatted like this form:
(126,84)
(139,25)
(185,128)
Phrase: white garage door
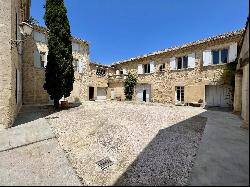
(101,93)
(218,96)
(143,92)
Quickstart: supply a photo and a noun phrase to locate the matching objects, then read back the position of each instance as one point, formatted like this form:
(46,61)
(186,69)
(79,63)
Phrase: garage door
(218,96)
(101,93)
(143,92)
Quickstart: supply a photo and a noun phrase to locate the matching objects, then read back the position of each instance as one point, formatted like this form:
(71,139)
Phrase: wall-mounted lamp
(26,30)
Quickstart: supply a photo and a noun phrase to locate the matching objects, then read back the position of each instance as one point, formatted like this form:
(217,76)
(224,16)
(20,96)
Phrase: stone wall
(163,84)
(10,63)
(34,77)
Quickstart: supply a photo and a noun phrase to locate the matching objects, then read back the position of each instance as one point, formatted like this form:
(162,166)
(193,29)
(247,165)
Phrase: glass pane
(215,57)
(224,54)
(178,95)
(185,62)
(179,64)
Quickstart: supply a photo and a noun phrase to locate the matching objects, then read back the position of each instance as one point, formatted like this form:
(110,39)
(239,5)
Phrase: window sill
(184,69)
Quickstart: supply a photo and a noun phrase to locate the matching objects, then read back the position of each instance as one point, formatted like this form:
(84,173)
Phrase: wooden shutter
(207,57)
(140,69)
(232,52)
(125,71)
(173,63)
(191,60)
(81,67)
(117,72)
(46,59)
(152,67)
(37,60)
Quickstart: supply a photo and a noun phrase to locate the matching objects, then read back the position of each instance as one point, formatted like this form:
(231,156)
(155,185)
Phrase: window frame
(146,68)
(181,90)
(162,67)
(182,62)
(220,51)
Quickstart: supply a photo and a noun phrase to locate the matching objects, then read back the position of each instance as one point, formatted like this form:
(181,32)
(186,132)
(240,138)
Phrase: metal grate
(105,163)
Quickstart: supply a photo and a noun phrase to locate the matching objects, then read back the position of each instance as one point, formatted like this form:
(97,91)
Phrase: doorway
(91,93)
(144,95)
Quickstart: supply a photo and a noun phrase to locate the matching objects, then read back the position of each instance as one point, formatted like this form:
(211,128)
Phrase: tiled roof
(45,30)
(218,37)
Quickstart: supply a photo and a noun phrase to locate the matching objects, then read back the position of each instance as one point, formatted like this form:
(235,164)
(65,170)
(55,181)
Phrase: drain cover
(104,163)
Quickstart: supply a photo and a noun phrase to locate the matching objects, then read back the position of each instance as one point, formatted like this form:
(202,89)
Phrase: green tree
(129,86)
(59,74)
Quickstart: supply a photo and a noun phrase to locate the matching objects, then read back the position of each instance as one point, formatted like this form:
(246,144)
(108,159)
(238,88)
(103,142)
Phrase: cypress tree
(59,73)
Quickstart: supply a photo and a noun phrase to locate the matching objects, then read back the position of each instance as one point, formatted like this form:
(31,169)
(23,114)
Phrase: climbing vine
(129,86)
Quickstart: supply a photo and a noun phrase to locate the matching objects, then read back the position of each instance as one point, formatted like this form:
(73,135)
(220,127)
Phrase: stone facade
(34,74)
(164,83)
(241,96)
(12,12)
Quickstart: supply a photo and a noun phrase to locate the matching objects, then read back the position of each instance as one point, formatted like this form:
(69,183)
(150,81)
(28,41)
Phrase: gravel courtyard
(147,144)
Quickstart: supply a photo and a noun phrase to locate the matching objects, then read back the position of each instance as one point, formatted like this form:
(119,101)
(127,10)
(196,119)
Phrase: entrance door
(91,93)
(145,95)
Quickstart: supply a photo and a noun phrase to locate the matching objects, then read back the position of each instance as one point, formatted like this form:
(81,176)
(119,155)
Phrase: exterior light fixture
(26,30)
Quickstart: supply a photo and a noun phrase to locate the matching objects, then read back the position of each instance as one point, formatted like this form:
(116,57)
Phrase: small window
(121,72)
(162,67)
(146,68)
(220,56)
(100,72)
(182,62)
(43,59)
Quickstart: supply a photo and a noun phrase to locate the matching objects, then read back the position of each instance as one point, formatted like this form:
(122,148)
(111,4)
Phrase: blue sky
(121,29)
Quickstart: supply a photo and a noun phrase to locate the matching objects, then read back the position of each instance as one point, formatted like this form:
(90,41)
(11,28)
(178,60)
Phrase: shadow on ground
(30,113)
(168,158)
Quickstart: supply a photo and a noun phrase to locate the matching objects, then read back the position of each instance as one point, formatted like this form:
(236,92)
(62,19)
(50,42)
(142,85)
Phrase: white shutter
(173,63)
(37,60)
(46,59)
(207,57)
(191,60)
(125,72)
(152,67)
(140,70)
(80,67)
(232,52)
(117,72)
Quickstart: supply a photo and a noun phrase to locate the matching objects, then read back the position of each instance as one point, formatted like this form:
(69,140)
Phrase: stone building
(189,74)
(34,64)
(12,13)
(241,96)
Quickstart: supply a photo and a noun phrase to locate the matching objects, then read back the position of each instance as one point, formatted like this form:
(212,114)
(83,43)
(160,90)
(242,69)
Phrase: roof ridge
(211,38)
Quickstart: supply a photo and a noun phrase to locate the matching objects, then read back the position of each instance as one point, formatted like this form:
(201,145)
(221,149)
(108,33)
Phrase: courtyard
(140,144)
(125,143)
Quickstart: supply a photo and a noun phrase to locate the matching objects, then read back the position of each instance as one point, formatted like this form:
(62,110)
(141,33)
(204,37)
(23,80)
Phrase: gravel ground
(148,144)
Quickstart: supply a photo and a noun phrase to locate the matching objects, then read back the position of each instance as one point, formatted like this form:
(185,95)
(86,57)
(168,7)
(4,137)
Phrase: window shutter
(80,70)
(232,52)
(152,67)
(191,60)
(37,60)
(207,57)
(125,71)
(46,59)
(139,69)
(173,63)
(117,72)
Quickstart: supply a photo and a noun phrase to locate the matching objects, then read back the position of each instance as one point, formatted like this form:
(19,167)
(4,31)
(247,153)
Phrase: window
(162,67)
(182,62)
(75,65)
(42,59)
(146,68)
(180,94)
(220,56)
(121,72)
(100,72)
